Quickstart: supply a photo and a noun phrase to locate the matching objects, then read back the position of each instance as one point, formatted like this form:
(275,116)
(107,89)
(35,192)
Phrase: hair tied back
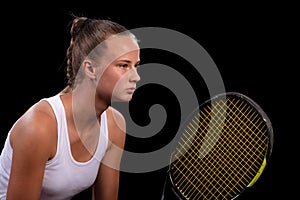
(87,21)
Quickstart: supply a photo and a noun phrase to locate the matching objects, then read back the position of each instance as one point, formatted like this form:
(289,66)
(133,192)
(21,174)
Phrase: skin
(34,135)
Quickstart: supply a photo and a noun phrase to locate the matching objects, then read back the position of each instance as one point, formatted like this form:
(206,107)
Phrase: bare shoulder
(116,126)
(116,116)
(37,126)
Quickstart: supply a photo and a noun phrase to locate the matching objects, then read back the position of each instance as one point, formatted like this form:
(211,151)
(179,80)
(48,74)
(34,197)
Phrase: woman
(73,140)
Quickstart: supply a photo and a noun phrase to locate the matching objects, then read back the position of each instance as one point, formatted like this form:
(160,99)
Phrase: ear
(89,69)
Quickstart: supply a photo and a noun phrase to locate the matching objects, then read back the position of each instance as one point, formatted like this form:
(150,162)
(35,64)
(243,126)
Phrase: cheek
(109,80)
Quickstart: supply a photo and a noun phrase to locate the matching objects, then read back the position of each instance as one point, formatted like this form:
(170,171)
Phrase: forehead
(117,46)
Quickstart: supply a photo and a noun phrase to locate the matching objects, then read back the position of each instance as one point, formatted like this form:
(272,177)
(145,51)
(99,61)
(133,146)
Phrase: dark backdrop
(248,43)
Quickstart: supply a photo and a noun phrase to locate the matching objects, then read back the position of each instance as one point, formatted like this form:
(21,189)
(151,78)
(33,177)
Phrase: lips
(130,90)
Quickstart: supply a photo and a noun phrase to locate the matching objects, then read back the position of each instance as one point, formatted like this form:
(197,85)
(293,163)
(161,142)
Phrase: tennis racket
(220,151)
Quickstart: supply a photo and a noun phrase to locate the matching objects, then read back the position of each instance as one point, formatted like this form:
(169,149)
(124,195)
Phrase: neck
(86,108)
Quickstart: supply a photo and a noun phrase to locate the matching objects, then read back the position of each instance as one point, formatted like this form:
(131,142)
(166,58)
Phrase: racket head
(221,149)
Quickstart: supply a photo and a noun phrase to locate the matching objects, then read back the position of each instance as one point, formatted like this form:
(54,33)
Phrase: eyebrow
(128,61)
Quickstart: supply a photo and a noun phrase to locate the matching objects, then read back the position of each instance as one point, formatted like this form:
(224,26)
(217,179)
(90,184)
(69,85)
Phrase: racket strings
(228,153)
(218,155)
(195,173)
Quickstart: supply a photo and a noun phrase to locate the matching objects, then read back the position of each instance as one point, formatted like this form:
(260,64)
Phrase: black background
(251,45)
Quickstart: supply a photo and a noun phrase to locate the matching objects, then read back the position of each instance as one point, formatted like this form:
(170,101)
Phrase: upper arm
(32,144)
(107,183)
(117,134)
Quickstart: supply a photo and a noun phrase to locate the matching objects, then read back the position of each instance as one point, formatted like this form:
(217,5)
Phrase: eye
(137,64)
(123,66)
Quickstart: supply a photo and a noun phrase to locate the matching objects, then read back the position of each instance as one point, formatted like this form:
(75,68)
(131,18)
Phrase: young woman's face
(118,80)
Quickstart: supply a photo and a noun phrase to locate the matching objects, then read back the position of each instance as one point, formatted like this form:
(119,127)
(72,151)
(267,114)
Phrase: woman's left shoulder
(115,116)
(116,126)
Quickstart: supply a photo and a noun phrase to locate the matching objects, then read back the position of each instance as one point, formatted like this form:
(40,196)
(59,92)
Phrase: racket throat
(170,192)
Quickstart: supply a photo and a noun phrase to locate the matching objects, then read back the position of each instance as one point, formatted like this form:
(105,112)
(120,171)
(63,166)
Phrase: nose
(134,76)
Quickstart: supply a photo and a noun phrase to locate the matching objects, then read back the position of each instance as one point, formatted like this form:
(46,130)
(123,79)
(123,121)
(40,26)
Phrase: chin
(123,99)
(128,99)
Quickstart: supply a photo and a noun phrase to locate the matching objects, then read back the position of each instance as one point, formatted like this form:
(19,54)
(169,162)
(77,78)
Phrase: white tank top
(64,177)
